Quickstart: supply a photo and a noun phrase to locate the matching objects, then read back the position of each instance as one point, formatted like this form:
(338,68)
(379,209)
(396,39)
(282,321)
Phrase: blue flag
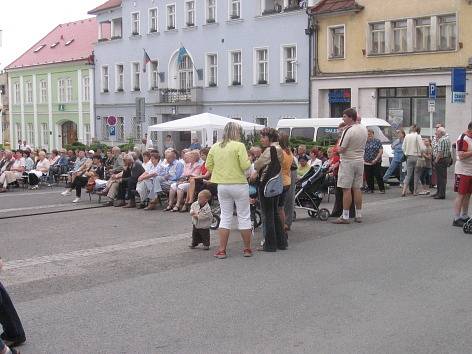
(182,54)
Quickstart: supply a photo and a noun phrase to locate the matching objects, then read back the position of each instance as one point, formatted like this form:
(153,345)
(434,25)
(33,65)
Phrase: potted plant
(262,82)
(236,83)
(115,37)
(234,16)
(212,84)
(190,24)
(135,33)
(105,90)
(211,20)
(120,89)
(289,80)
(136,89)
(153,30)
(170,27)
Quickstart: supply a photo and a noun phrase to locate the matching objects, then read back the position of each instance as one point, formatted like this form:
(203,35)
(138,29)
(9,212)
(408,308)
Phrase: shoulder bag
(273,185)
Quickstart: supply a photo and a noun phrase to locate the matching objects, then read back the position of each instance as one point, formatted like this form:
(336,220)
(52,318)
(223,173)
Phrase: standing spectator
(423,166)
(201,219)
(413,147)
(351,169)
(168,143)
(286,178)
(441,162)
(290,200)
(273,229)
(397,147)
(463,172)
(227,161)
(373,162)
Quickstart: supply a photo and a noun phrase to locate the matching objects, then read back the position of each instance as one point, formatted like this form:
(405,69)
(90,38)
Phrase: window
(400,36)
(153,20)
(289,64)
(43,91)
(154,75)
(306,133)
(235,9)
(185,73)
(236,68)
(135,23)
(61,93)
(377,32)
(18,133)
(336,42)
(105,131)
(29,92)
(136,75)
(120,128)
(261,121)
(69,90)
(447,32)
(212,70)
(119,84)
(105,78)
(190,13)
(85,89)
(327,135)
(30,133)
(211,11)
(154,135)
(137,129)
(423,34)
(16,95)
(262,66)
(87,135)
(44,134)
(171,17)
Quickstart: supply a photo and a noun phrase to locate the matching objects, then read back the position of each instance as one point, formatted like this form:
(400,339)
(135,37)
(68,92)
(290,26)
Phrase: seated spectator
(303,166)
(314,160)
(201,182)
(193,168)
(82,164)
(145,185)
(2,158)
(95,170)
(122,181)
(137,170)
(53,157)
(7,172)
(195,144)
(41,169)
(29,163)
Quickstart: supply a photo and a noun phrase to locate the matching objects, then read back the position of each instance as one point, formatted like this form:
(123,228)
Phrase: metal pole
(431,124)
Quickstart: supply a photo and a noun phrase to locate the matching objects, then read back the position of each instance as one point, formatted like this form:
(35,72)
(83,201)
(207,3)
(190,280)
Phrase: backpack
(272,183)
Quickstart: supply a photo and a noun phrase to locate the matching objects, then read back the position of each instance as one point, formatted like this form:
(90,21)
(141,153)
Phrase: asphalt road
(108,280)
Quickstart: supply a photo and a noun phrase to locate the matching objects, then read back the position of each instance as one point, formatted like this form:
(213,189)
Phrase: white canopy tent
(206,123)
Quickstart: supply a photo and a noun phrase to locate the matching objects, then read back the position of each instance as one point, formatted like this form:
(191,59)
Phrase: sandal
(184,208)
(175,209)
(169,208)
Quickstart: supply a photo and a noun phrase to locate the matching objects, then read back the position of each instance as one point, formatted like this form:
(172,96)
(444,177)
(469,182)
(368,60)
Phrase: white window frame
(105,81)
(173,17)
(87,134)
(135,70)
(120,128)
(207,11)
(257,62)
(208,66)
(186,75)
(230,67)
(400,30)
(266,119)
(86,88)
(61,90)
(43,91)
(119,87)
(230,9)
(44,134)
(30,133)
(431,34)
(18,132)
(135,24)
(330,41)
(455,44)
(153,29)
(153,75)
(190,13)
(29,92)
(372,32)
(284,63)
(69,90)
(16,93)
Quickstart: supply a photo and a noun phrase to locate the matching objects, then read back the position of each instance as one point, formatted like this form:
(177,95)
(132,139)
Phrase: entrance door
(69,133)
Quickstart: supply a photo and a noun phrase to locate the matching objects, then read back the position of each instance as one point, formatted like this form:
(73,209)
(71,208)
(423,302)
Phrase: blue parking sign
(112,131)
(432,91)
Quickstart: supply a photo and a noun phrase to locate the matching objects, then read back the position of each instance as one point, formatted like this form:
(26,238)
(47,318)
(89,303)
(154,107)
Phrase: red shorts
(463,184)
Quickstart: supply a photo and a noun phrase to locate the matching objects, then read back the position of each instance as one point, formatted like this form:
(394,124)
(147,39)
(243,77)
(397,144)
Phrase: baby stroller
(467,228)
(308,194)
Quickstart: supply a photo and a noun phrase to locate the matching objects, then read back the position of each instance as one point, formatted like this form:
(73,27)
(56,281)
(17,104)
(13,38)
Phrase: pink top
(192,169)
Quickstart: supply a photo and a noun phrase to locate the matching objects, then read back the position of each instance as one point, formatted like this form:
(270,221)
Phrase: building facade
(51,88)
(380,56)
(242,59)
(4,117)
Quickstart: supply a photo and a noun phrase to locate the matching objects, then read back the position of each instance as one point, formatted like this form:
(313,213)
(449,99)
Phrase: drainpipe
(309,31)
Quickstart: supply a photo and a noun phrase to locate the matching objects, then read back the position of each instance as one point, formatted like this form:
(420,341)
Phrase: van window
(285,130)
(384,134)
(307,133)
(327,135)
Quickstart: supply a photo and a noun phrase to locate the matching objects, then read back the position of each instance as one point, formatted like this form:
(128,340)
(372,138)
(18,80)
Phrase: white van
(319,129)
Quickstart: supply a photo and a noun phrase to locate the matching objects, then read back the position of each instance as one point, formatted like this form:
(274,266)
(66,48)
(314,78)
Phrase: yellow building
(381,55)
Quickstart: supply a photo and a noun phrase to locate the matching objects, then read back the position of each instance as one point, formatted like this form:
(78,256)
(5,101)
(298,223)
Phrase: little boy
(201,219)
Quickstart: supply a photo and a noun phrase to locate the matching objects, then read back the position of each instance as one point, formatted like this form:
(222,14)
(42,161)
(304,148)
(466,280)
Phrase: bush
(129,146)
(76,146)
(252,139)
(98,145)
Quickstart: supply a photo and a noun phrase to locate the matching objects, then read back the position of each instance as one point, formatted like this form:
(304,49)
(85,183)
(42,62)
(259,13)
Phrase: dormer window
(39,48)
(69,42)
(54,45)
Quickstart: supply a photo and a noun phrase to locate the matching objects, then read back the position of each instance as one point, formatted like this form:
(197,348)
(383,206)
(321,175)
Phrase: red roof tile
(110,4)
(330,6)
(67,42)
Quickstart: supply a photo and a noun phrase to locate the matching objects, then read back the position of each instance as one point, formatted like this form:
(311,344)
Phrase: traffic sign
(112,130)
(111,121)
(432,90)
(431,106)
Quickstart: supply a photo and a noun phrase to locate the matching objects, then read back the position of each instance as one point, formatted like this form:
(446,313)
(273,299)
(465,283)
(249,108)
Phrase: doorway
(69,133)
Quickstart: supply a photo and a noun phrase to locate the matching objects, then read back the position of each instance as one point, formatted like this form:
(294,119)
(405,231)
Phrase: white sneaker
(66,192)
(76,200)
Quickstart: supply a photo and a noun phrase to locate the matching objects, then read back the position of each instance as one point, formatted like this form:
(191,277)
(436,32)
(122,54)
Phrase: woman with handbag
(268,169)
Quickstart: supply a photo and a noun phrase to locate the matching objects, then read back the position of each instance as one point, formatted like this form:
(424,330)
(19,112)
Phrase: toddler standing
(201,219)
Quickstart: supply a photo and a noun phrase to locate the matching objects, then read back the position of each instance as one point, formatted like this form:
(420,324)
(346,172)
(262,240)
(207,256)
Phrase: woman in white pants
(227,161)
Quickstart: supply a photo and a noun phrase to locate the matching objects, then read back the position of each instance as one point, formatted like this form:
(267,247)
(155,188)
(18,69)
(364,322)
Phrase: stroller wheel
(294,217)
(323,214)
(313,214)
(257,221)
(215,223)
(467,228)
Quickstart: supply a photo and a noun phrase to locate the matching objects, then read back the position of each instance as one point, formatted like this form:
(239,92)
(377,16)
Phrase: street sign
(111,121)
(112,131)
(431,106)
(458,97)
(432,89)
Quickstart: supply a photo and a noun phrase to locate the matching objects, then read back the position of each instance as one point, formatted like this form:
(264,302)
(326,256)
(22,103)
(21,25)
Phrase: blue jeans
(391,170)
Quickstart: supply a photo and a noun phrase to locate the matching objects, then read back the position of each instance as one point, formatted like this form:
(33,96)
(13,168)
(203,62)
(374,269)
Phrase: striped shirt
(444,147)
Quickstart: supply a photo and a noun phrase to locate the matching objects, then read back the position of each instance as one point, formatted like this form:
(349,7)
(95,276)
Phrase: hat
(91,152)
(303,157)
